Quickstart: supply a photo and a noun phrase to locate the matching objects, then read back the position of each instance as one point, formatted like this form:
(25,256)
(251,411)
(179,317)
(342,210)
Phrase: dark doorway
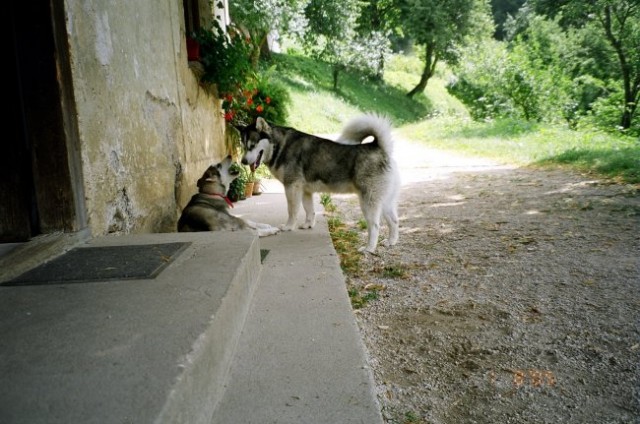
(41,181)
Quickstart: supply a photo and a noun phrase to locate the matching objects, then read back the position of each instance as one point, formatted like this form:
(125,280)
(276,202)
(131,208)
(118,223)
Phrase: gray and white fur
(208,210)
(307,164)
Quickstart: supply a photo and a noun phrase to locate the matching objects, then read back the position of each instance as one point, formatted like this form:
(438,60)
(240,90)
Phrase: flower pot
(257,187)
(248,189)
(193,49)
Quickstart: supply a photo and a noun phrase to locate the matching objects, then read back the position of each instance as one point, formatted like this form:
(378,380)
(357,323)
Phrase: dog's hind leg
(307,204)
(390,213)
(391,217)
(371,211)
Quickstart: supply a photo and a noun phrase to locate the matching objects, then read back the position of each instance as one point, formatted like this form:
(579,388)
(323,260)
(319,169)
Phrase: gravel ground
(513,295)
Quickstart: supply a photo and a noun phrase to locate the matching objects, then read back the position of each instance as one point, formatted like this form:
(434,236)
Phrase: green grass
(346,242)
(526,143)
(441,121)
(326,110)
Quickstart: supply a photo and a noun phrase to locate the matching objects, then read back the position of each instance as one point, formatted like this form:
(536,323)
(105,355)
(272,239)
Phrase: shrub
(259,96)
(225,57)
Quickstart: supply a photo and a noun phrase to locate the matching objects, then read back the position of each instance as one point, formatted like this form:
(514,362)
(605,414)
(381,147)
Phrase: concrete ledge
(137,351)
(300,357)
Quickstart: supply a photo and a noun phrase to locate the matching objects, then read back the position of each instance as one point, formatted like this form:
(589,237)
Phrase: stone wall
(147,129)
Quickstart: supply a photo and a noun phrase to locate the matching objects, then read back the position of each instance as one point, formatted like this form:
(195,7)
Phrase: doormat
(89,264)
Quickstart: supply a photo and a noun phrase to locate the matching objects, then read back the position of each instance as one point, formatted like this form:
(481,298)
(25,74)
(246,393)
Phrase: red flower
(268,100)
(259,109)
(228,116)
(229,98)
(249,101)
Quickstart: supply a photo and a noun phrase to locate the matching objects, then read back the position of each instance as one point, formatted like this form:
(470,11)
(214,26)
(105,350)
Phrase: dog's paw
(366,250)
(287,227)
(389,243)
(270,231)
(307,225)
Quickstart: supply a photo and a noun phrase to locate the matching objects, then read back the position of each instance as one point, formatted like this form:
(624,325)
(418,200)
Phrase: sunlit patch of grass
(326,202)
(621,163)
(346,242)
(360,298)
(396,271)
(526,143)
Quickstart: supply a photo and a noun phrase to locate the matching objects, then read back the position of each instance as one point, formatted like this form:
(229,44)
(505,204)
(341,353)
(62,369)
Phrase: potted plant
(257,175)
(248,180)
(257,184)
(236,188)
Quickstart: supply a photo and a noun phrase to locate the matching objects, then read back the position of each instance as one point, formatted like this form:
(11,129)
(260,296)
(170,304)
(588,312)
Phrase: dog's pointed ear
(262,125)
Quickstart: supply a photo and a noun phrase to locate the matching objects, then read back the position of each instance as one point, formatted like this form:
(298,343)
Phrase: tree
(378,19)
(261,17)
(501,11)
(619,23)
(330,32)
(438,26)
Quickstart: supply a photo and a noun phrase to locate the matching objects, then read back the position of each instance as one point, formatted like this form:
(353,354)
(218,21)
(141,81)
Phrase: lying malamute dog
(306,164)
(208,210)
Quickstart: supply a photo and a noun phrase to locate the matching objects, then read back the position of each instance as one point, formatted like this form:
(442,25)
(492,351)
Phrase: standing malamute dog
(306,164)
(208,210)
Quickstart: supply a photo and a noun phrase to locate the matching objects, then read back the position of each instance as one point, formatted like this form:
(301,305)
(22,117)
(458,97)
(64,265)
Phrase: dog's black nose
(245,161)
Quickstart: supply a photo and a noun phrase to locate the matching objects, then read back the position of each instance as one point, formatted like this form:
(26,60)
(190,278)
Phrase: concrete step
(163,350)
(300,358)
(132,351)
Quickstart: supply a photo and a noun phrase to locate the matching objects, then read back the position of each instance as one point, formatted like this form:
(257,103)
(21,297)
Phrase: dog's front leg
(307,204)
(263,230)
(294,197)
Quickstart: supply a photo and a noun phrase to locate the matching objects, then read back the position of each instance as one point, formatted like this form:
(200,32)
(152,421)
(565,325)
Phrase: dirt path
(512,297)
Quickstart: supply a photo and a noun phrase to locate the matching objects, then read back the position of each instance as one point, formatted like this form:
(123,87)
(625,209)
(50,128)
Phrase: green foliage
(236,188)
(261,96)
(260,17)
(552,70)
(501,11)
(615,23)
(274,95)
(331,37)
(225,57)
(440,26)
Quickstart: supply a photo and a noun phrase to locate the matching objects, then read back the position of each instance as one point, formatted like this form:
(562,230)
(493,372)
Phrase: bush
(225,57)
(480,79)
(605,113)
(260,96)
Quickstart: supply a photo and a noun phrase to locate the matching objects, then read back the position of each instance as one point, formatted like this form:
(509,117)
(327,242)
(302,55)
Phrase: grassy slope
(441,121)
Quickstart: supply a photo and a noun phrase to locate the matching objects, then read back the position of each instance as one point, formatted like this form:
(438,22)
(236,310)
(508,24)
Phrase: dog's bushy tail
(368,125)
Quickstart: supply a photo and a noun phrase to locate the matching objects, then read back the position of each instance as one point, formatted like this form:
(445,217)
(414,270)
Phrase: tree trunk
(630,90)
(336,73)
(258,43)
(431,59)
